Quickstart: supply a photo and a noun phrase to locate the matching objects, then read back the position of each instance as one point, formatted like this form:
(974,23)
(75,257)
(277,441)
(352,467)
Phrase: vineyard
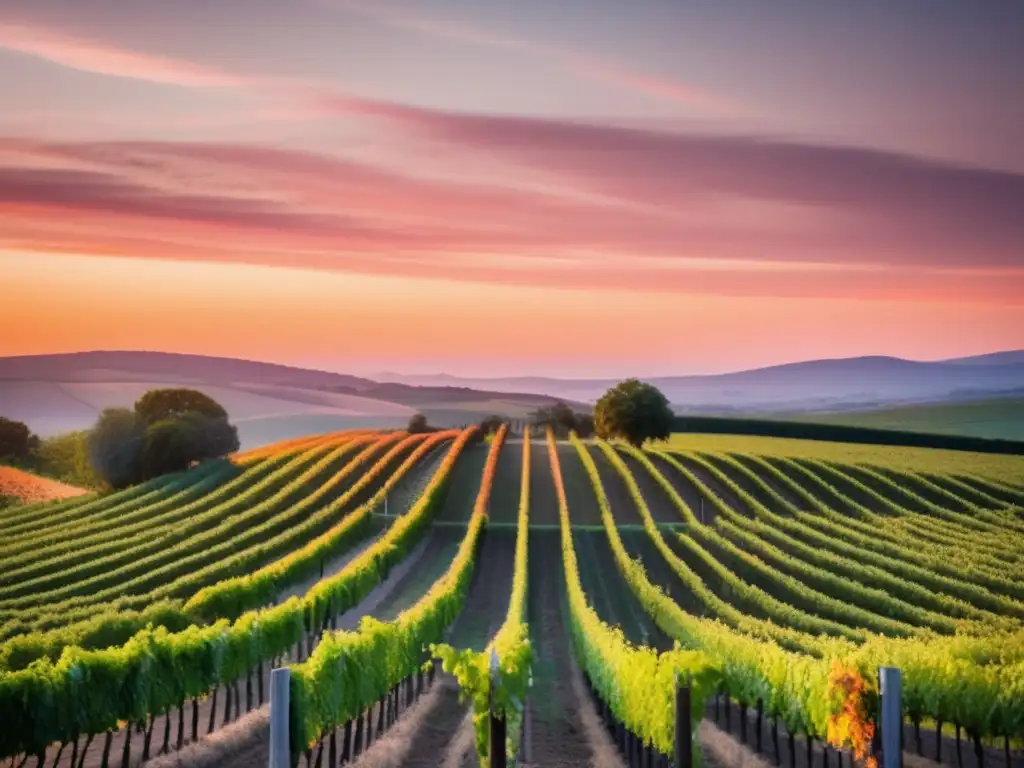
(389,572)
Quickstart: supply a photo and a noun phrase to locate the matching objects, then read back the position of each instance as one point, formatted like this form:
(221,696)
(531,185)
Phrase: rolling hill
(999,418)
(268,402)
(57,393)
(859,383)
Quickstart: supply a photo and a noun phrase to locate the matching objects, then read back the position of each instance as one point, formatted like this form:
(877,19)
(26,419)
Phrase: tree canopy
(491,424)
(418,425)
(16,439)
(168,431)
(635,412)
(159,404)
(115,447)
(563,419)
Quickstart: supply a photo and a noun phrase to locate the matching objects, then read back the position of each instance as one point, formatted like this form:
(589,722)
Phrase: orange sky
(468,188)
(365,324)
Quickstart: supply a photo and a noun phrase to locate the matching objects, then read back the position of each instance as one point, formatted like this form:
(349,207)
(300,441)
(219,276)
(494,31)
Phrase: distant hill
(268,402)
(55,393)
(817,385)
(995,358)
(998,418)
(99,366)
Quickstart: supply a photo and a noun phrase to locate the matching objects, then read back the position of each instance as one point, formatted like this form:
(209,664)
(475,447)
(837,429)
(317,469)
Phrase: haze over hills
(55,393)
(847,383)
(268,402)
(994,358)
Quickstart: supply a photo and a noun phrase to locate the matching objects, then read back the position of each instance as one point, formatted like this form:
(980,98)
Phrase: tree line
(632,411)
(167,430)
(170,430)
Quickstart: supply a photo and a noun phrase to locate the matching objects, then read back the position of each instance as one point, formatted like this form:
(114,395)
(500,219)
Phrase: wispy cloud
(104,59)
(731,234)
(876,206)
(585,65)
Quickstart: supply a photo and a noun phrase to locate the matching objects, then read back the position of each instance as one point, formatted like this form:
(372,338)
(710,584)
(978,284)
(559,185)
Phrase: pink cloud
(104,59)
(267,205)
(877,206)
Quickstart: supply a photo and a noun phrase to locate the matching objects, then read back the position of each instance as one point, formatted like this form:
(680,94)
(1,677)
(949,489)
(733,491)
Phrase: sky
(580,188)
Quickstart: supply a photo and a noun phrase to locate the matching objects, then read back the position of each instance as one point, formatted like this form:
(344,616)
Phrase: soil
(715,486)
(579,491)
(465,483)
(781,489)
(436,552)
(640,547)
(553,729)
(543,503)
(508,478)
(661,507)
(438,729)
(28,488)
(741,478)
(624,508)
(610,595)
(699,504)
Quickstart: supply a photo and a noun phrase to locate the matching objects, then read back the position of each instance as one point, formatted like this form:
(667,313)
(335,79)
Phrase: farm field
(1001,468)
(779,575)
(1001,417)
(18,486)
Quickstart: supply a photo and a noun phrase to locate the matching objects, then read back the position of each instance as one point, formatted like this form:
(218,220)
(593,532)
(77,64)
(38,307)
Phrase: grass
(1008,469)
(997,418)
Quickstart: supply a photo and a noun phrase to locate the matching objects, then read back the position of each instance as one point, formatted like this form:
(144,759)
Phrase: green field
(1002,468)
(996,418)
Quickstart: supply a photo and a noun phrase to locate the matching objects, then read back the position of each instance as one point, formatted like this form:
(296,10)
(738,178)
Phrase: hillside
(57,393)
(999,418)
(268,402)
(817,385)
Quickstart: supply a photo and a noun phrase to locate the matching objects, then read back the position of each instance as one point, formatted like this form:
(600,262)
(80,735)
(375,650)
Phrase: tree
(635,412)
(584,424)
(491,424)
(418,425)
(168,431)
(169,446)
(159,404)
(211,438)
(115,447)
(66,458)
(16,439)
(562,419)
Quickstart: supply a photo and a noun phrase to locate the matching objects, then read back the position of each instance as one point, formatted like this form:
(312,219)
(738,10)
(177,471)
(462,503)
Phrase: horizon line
(468,377)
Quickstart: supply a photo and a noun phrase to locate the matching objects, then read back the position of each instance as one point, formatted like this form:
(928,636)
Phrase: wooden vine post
(280,746)
(683,757)
(890,686)
(496,751)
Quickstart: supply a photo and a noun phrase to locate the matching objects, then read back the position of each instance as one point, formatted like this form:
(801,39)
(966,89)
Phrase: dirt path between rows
(699,504)
(438,729)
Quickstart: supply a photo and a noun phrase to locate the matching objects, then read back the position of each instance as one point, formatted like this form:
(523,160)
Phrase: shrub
(418,425)
(66,458)
(16,440)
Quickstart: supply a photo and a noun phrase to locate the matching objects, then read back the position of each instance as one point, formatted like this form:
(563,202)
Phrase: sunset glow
(490,190)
